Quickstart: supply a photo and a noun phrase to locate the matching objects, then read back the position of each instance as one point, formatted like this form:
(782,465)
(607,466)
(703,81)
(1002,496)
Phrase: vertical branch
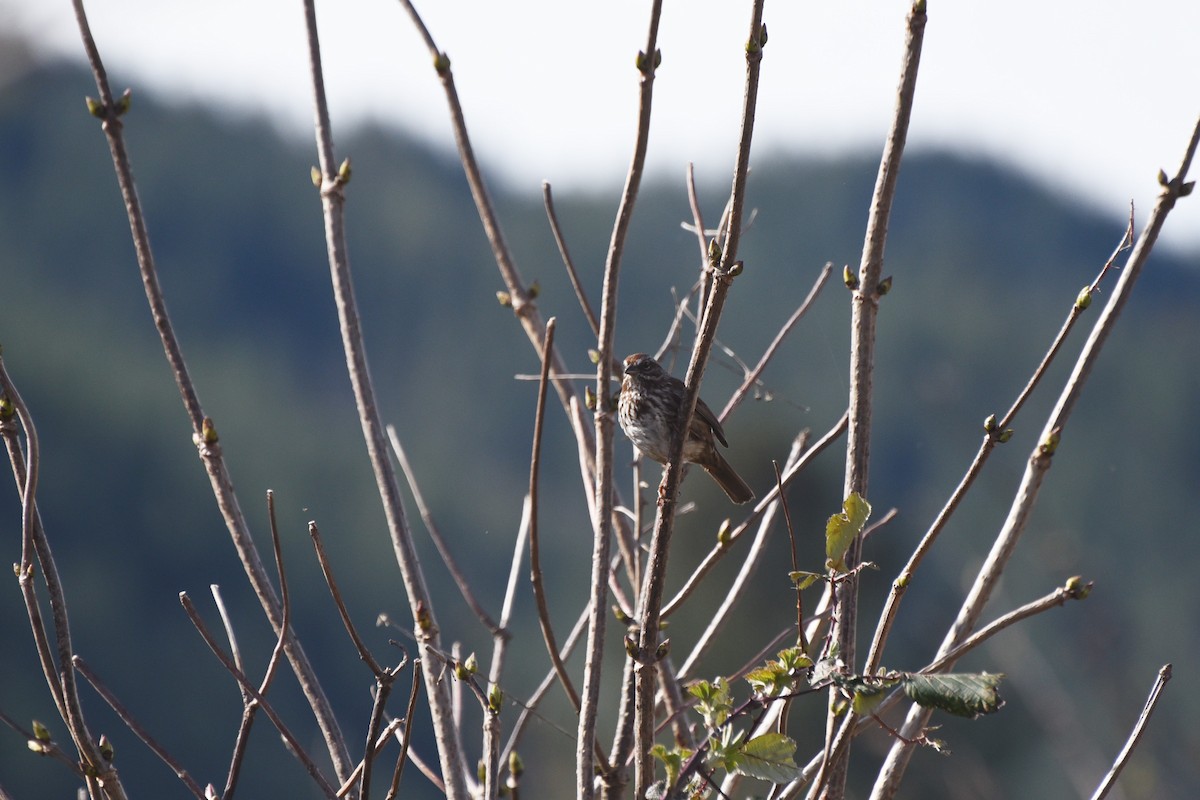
(647,64)
(892,772)
(648,651)
(60,676)
(865,306)
(333,182)
(109,111)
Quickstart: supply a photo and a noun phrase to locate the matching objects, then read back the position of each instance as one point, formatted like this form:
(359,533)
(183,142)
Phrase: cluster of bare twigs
(652,694)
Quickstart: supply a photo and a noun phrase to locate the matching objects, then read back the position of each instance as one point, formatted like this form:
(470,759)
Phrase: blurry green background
(986,262)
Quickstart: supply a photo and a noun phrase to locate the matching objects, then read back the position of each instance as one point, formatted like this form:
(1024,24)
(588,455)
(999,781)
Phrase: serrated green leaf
(768,757)
(842,528)
(964,694)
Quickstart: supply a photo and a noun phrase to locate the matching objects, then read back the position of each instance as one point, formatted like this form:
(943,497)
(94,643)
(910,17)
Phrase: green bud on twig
(593,355)
(849,278)
(1084,299)
(631,646)
(884,286)
(723,533)
(661,651)
(736,268)
(505,298)
(1187,188)
(441,63)
(589,398)
(208,431)
(535,289)
(989,424)
(515,766)
(315,174)
(124,102)
(495,699)
(714,252)
(1163,180)
(1048,447)
(621,616)
(41,732)
(344,171)
(1005,435)
(7,410)
(424,619)
(106,748)
(94,107)
(1077,589)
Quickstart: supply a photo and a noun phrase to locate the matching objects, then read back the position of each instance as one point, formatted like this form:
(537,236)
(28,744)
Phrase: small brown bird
(648,409)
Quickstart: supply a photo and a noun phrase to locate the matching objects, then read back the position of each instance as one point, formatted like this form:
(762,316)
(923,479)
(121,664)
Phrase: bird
(648,409)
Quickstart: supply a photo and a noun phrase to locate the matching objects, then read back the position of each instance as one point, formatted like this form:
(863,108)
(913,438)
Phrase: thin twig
(535,559)
(59,678)
(383,677)
(49,749)
(1164,675)
(697,215)
(408,714)
(720,550)
(250,708)
(381,741)
(754,375)
(746,572)
(136,728)
(500,645)
(460,580)
(336,594)
(293,744)
(528,708)
(572,274)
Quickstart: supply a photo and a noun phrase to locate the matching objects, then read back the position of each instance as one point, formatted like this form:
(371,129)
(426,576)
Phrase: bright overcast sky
(1093,96)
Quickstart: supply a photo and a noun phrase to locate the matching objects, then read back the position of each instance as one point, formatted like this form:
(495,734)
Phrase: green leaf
(673,760)
(714,701)
(963,694)
(769,757)
(802,580)
(842,528)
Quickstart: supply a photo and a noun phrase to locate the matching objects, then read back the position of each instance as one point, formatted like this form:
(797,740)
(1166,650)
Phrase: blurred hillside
(986,263)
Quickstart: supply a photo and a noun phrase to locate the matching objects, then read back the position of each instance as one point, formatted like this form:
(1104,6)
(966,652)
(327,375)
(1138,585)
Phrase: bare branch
(535,560)
(864,307)
(647,65)
(753,377)
(722,548)
(749,564)
(460,580)
(1135,735)
(293,744)
(250,708)
(60,678)
(572,274)
(1040,460)
(725,267)
(203,432)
